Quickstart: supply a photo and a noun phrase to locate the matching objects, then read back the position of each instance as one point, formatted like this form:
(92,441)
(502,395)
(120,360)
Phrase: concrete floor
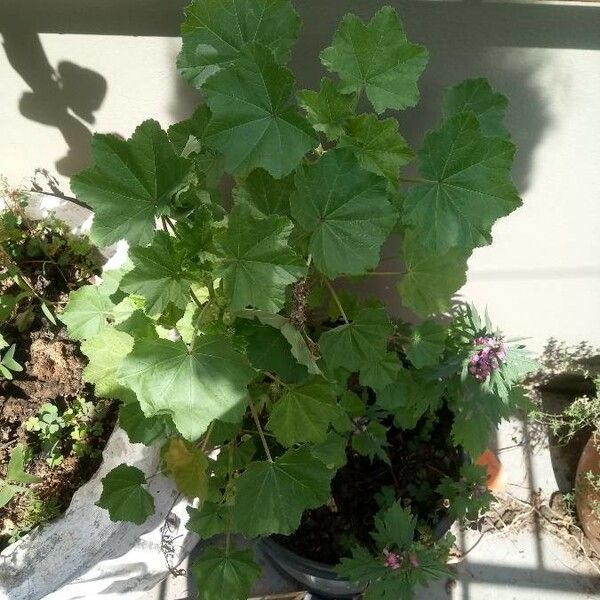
(525,562)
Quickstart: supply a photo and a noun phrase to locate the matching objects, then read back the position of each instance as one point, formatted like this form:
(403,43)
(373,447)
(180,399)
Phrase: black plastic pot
(314,577)
(319,578)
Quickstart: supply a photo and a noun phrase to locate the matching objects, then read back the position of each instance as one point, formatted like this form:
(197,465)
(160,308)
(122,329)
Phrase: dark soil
(52,371)
(420,459)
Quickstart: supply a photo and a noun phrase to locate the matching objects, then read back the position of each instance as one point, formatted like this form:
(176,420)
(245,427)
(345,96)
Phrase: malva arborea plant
(228,337)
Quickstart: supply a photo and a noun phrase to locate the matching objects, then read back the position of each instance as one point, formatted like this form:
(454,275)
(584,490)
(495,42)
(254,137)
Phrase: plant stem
(337,301)
(260,429)
(275,379)
(195,299)
(386,273)
(211,290)
(413,180)
(198,319)
(207,437)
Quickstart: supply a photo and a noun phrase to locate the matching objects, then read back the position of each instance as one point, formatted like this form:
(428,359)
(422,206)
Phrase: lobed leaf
(328,109)
(225,574)
(304,413)
(271,496)
(194,386)
(377,57)
(254,122)
(345,211)
(215,32)
(124,497)
(158,275)
(352,345)
(256,261)
(131,183)
(468,186)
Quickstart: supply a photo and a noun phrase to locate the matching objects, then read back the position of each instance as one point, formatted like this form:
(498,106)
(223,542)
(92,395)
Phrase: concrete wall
(72,67)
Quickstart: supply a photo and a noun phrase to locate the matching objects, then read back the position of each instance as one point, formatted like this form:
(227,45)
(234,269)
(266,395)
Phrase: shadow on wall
(64,97)
(465,39)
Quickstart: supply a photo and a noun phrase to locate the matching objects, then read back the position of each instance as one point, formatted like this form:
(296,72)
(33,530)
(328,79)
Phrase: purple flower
(392,560)
(489,357)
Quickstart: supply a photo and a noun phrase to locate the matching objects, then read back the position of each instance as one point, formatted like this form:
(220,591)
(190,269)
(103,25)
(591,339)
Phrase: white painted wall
(540,278)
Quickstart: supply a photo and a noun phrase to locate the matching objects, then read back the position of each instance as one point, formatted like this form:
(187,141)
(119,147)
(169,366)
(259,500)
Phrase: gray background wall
(72,67)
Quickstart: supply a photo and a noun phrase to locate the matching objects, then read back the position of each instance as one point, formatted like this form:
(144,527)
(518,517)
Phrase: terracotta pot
(586,495)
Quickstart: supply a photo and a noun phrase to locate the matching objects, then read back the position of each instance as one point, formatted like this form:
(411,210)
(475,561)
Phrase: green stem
(413,180)
(275,379)
(260,429)
(195,298)
(207,437)
(337,301)
(197,321)
(211,290)
(382,273)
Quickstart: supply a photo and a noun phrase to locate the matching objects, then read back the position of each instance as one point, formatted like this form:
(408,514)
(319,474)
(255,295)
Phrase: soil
(420,459)
(52,373)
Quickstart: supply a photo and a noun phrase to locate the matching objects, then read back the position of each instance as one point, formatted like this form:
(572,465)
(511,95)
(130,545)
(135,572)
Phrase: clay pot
(587,496)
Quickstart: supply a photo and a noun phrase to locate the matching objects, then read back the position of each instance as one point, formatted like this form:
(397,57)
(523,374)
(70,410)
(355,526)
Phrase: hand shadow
(64,97)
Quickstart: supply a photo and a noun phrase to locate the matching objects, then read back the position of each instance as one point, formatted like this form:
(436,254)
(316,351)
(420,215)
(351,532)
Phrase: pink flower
(488,358)
(392,560)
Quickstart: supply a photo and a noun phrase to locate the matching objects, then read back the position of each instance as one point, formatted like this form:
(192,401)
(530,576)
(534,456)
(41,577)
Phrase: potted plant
(575,427)
(56,432)
(288,406)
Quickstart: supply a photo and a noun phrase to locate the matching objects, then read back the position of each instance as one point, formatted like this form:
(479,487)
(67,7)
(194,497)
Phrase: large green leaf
(188,139)
(328,109)
(141,429)
(430,279)
(124,497)
(378,145)
(372,441)
(131,182)
(298,346)
(377,58)
(255,123)
(87,312)
(158,274)
(268,350)
(187,466)
(346,212)
(304,413)
(409,397)
(225,574)
(477,412)
(477,95)
(427,343)
(105,351)
(358,343)
(256,261)
(468,186)
(194,386)
(264,194)
(271,496)
(214,33)
(395,527)
(380,370)
(211,519)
